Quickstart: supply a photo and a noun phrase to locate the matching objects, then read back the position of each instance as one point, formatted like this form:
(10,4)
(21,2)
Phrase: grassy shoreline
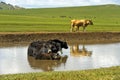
(112,73)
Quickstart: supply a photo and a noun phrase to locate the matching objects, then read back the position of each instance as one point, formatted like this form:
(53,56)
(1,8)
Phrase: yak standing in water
(75,24)
(46,49)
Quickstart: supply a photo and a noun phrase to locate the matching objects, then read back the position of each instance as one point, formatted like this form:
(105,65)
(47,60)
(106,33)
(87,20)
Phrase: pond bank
(81,37)
(112,73)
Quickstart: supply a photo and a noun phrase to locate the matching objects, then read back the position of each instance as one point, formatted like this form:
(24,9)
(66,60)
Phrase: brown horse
(75,24)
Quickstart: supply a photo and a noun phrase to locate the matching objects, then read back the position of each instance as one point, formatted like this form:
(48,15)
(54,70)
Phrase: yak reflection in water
(76,51)
(46,65)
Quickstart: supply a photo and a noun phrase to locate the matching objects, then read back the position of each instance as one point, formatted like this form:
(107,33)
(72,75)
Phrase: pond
(14,59)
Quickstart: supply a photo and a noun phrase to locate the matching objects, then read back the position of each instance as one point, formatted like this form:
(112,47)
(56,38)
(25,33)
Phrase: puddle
(80,57)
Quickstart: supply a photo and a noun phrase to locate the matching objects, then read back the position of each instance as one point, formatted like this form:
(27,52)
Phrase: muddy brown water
(14,59)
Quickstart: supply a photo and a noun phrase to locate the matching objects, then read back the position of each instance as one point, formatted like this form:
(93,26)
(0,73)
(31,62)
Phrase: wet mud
(78,38)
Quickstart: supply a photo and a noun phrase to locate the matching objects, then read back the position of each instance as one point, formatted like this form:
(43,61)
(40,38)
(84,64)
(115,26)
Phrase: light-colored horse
(75,24)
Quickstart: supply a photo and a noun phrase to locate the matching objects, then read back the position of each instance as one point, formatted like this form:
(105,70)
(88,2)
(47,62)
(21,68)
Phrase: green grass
(105,18)
(112,73)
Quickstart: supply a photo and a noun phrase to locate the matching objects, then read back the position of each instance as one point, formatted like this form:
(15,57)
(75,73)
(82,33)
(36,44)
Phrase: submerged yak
(47,50)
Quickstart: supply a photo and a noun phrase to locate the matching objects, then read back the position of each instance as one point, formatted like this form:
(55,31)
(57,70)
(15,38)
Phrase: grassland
(112,73)
(105,18)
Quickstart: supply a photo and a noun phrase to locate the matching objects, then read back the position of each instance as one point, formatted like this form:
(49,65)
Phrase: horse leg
(72,27)
(78,28)
(71,30)
(84,29)
(75,28)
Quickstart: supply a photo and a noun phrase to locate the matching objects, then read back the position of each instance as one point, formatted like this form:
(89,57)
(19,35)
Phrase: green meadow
(104,17)
(112,73)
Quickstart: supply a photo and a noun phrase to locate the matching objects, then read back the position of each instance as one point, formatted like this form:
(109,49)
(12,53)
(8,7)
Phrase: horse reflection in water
(75,51)
(46,65)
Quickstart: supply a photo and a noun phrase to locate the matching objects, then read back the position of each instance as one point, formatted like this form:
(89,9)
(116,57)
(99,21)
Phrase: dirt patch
(86,37)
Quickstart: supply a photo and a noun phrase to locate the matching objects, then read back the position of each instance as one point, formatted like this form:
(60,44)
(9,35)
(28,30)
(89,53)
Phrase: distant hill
(5,6)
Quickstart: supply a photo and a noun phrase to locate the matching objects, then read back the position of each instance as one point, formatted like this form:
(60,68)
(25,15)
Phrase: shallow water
(80,57)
